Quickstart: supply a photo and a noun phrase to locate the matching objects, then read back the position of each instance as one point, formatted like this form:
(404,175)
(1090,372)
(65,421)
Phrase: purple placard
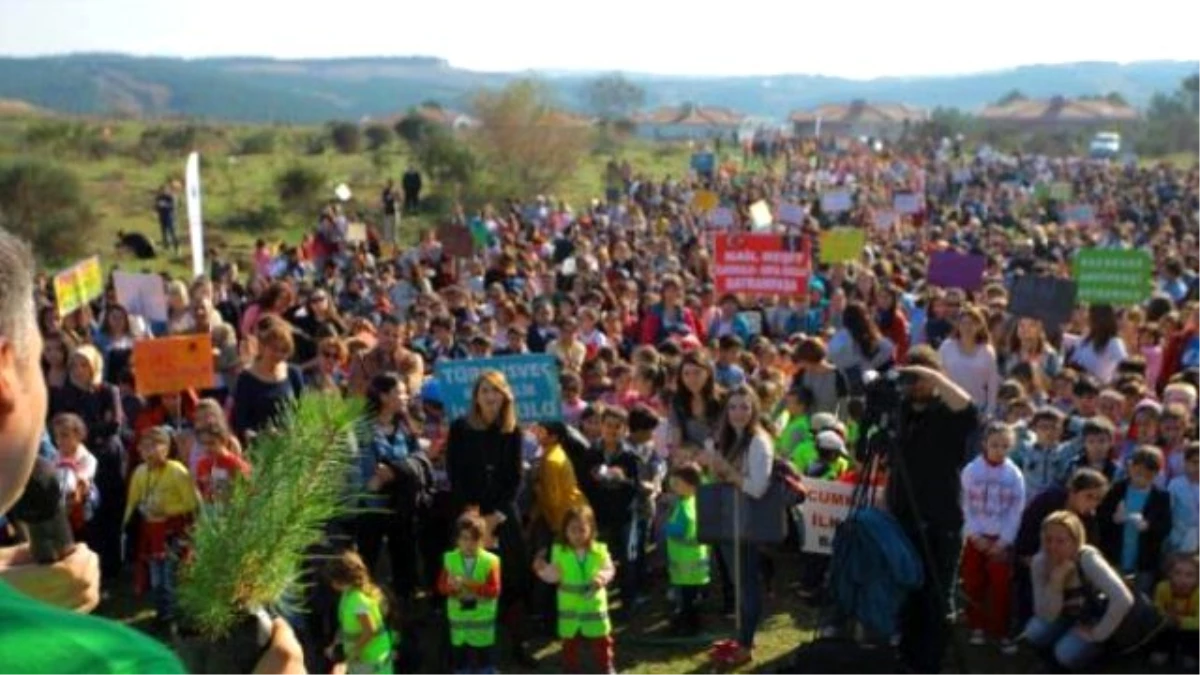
(956,270)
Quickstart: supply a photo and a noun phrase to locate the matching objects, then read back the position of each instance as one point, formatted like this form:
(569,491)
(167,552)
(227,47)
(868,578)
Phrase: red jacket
(651,325)
(1171,355)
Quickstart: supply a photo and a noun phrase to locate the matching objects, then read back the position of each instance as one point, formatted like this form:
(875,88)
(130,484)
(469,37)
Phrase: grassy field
(121,187)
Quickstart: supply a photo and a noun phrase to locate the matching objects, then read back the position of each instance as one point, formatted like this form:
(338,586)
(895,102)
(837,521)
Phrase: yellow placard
(78,285)
(842,244)
(705,201)
(173,364)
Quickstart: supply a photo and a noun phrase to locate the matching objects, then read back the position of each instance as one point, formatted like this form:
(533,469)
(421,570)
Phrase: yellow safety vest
(687,559)
(474,627)
(581,609)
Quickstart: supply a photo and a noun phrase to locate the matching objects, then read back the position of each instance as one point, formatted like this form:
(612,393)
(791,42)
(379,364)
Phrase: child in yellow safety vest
(687,559)
(366,641)
(470,580)
(581,567)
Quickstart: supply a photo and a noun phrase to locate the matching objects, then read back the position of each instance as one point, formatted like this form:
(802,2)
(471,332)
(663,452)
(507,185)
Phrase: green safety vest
(472,627)
(581,610)
(353,601)
(687,559)
(796,432)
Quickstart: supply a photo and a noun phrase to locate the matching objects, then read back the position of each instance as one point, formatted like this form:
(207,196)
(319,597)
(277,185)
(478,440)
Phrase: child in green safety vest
(687,559)
(470,580)
(366,640)
(581,567)
(797,434)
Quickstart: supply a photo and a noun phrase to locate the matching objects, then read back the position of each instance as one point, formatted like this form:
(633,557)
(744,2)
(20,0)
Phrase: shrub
(378,136)
(413,128)
(44,203)
(264,218)
(300,186)
(346,136)
(315,144)
(258,143)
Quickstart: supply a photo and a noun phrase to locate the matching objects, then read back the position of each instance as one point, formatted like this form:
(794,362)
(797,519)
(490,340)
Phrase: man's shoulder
(35,637)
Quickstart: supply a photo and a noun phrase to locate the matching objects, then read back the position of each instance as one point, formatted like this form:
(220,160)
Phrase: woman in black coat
(484,465)
(99,405)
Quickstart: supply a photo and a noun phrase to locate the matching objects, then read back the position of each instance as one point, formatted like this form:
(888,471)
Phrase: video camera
(883,394)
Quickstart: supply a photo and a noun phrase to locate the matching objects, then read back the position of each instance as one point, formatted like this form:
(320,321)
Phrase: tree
(378,136)
(446,159)
(413,127)
(300,186)
(1172,122)
(44,204)
(531,146)
(1115,98)
(346,136)
(613,97)
(1011,97)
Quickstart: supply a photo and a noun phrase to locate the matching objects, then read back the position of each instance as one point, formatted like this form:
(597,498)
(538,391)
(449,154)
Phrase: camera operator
(937,418)
(37,635)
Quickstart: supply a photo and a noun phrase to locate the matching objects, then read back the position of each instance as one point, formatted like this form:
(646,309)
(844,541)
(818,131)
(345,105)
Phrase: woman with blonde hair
(1068,577)
(179,310)
(484,465)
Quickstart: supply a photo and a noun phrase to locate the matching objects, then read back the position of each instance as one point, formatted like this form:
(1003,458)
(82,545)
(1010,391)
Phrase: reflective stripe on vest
(475,627)
(582,608)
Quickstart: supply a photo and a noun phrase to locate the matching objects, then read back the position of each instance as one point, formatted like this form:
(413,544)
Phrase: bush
(315,144)
(413,128)
(300,186)
(258,143)
(378,136)
(44,203)
(346,136)
(261,219)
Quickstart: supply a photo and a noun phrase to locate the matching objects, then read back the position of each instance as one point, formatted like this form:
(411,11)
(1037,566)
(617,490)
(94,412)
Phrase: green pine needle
(248,552)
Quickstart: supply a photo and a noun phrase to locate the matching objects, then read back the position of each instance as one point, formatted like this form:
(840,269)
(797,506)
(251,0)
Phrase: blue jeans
(750,609)
(162,585)
(1070,651)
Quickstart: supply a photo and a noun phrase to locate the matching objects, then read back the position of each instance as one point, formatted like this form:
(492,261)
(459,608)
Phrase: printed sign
(961,175)
(704,163)
(907,203)
(761,264)
(1081,214)
(827,505)
(78,285)
(1048,299)
(1113,276)
(760,215)
(1060,191)
(356,233)
(721,218)
(842,244)
(457,241)
(533,378)
(142,294)
(705,201)
(835,202)
(173,364)
(885,220)
(791,214)
(956,270)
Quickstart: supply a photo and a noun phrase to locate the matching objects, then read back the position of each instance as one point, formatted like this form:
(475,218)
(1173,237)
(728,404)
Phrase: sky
(863,39)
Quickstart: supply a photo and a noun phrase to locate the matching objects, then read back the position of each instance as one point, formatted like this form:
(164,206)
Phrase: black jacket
(1157,513)
(614,501)
(484,468)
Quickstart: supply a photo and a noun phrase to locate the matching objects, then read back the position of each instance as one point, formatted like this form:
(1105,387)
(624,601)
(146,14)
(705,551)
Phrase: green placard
(1114,276)
(1060,191)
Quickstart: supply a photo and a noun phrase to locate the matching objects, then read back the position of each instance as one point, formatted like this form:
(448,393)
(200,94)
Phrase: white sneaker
(977,638)
(1008,647)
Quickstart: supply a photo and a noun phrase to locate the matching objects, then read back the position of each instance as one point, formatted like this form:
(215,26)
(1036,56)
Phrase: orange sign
(173,364)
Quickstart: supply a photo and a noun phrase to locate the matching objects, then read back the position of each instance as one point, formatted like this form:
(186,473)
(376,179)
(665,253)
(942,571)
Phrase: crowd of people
(1056,469)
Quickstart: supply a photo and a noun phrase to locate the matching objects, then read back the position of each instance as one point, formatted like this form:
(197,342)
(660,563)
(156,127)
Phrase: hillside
(264,90)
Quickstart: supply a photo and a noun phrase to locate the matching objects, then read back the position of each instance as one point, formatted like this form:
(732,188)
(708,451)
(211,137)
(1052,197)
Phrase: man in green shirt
(43,627)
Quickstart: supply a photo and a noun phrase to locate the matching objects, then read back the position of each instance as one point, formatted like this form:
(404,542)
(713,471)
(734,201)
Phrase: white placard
(907,203)
(356,233)
(142,295)
(791,214)
(836,201)
(721,218)
(885,220)
(342,192)
(825,507)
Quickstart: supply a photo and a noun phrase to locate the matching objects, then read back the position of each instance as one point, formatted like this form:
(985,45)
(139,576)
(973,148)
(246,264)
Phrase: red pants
(602,654)
(987,583)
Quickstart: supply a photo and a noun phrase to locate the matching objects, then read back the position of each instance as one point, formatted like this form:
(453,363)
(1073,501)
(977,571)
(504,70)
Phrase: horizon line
(573,72)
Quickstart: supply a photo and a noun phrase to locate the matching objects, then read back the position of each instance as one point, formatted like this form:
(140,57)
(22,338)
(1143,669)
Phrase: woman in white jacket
(1068,574)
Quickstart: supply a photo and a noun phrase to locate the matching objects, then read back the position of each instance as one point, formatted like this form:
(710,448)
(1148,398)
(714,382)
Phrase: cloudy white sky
(864,39)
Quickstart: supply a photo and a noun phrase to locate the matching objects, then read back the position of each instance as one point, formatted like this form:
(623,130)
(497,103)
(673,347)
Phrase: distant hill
(314,90)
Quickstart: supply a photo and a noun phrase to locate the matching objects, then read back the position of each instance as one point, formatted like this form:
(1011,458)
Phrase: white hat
(822,421)
(831,440)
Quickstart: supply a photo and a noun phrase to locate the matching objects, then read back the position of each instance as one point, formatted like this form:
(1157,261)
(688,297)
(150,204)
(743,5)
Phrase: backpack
(414,484)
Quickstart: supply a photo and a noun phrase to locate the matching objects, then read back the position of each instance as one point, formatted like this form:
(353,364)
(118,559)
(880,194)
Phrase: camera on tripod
(883,394)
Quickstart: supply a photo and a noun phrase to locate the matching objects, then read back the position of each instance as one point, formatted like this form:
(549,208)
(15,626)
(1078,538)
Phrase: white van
(1105,144)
